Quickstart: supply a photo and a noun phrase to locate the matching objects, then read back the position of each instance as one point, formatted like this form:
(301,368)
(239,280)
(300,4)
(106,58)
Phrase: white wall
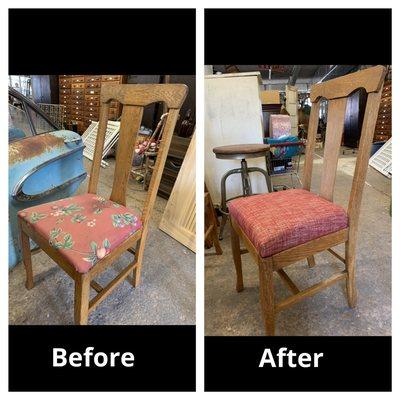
(233,115)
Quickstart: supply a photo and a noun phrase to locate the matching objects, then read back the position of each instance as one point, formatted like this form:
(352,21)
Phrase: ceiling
(300,74)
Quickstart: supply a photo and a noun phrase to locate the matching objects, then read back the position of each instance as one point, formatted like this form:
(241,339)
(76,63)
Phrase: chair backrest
(134,97)
(336,92)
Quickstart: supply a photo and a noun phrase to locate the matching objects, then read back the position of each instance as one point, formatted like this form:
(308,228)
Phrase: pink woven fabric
(84,229)
(280,125)
(281,220)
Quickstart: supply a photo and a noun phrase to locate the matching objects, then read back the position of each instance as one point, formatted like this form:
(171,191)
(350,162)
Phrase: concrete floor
(327,313)
(166,294)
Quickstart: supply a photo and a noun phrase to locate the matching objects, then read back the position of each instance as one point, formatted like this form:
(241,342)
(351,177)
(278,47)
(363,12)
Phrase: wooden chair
(210,224)
(279,229)
(85,234)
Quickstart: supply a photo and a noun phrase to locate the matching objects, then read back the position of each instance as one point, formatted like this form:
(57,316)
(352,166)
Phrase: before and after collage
(182,218)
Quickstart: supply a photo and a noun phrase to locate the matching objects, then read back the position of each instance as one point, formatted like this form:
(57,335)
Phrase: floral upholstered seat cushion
(83,228)
(278,221)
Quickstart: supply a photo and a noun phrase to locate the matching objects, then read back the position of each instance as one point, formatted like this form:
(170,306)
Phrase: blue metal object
(42,168)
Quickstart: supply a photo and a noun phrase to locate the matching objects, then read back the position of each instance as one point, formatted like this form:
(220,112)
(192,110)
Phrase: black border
(298,36)
(350,363)
(102,41)
(165,358)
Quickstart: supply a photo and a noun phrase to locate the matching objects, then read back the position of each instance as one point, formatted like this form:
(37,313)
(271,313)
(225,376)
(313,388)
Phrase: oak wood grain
(333,139)
(371,79)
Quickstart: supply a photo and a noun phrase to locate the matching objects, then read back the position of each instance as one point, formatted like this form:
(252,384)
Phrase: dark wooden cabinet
(353,118)
(176,154)
(45,89)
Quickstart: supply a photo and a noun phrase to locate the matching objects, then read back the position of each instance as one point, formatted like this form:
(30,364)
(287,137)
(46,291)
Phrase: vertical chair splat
(98,150)
(130,124)
(333,139)
(311,137)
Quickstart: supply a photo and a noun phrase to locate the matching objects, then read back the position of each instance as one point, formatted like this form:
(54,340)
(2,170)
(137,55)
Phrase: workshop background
(52,103)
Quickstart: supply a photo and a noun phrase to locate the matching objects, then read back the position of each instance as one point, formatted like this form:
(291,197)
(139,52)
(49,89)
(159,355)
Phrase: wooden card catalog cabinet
(179,218)
(80,94)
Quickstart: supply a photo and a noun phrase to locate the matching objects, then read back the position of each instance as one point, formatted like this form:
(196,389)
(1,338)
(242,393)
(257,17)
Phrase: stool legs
(266,176)
(246,182)
(246,186)
(223,207)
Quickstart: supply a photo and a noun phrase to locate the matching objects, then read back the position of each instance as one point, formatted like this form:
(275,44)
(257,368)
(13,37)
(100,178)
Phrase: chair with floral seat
(84,234)
(281,228)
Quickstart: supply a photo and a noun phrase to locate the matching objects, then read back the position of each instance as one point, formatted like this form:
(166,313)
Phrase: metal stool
(240,152)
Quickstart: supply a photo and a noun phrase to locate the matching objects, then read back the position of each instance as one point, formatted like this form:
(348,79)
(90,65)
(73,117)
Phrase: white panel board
(382,159)
(90,135)
(233,115)
(292,108)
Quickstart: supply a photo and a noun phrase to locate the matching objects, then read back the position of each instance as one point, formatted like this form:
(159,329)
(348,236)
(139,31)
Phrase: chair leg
(82,289)
(27,259)
(138,259)
(266,275)
(311,261)
(237,258)
(214,236)
(222,226)
(351,273)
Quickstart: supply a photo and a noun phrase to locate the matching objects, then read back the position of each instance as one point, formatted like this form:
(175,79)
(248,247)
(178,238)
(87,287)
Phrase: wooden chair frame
(133,98)
(336,92)
(210,224)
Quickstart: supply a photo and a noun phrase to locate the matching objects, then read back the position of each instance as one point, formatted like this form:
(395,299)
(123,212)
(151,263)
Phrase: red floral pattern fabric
(84,229)
(278,221)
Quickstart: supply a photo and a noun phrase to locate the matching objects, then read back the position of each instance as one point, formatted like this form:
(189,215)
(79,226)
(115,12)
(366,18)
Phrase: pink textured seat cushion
(281,220)
(83,228)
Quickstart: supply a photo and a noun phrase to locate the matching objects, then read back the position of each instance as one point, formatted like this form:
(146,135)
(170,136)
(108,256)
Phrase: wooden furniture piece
(179,218)
(267,223)
(240,152)
(270,97)
(126,229)
(383,130)
(81,96)
(45,89)
(271,104)
(176,155)
(210,223)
